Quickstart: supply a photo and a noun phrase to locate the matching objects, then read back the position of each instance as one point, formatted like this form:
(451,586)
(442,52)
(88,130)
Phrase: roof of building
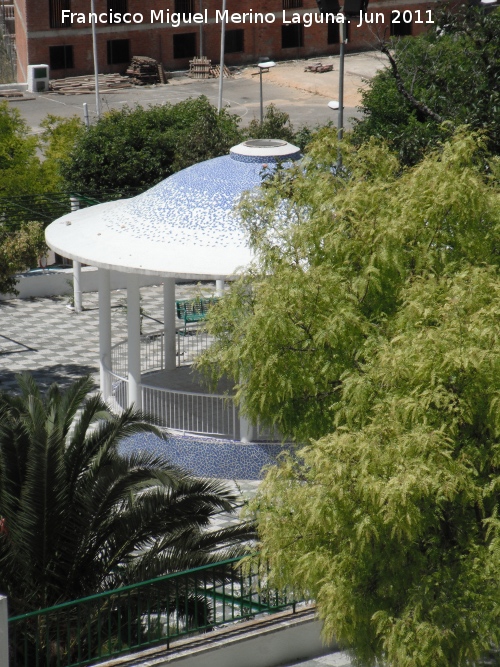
(184,227)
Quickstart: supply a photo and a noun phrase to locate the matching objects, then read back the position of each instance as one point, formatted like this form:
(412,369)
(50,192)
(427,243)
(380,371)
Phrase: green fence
(47,207)
(141,615)
(42,208)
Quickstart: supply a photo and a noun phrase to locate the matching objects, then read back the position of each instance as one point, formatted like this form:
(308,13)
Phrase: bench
(193,310)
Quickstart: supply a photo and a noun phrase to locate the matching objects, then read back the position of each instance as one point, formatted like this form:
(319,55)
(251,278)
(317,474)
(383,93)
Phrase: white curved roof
(183,227)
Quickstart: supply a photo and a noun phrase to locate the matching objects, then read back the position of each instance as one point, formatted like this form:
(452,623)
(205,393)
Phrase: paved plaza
(47,338)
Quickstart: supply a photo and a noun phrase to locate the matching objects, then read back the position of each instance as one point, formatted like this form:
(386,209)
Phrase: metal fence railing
(193,412)
(150,613)
(47,207)
(190,342)
(44,208)
(204,414)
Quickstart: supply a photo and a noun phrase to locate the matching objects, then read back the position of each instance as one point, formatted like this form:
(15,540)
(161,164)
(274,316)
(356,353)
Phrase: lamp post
(263,66)
(222,44)
(351,9)
(339,105)
(201,31)
(96,65)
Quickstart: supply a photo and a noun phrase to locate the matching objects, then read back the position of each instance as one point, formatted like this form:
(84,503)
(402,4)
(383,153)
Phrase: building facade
(267,30)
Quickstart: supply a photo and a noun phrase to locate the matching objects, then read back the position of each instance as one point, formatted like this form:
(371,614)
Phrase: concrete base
(58,282)
(281,639)
(14,86)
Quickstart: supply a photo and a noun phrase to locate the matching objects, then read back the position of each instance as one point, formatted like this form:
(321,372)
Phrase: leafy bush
(453,74)
(135,148)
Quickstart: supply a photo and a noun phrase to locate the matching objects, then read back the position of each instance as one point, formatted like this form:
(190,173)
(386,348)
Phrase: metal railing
(190,342)
(47,207)
(151,613)
(205,414)
(193,412)
(119,391)
(43,207)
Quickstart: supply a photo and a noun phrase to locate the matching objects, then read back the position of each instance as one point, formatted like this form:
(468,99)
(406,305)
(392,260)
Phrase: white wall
(55,282)
(255,645)
(4,633)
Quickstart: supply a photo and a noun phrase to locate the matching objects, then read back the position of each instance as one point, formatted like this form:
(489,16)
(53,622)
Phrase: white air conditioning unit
(38,78)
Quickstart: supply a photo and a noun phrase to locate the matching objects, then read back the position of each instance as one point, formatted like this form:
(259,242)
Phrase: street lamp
(222,45)
(263,66)
(96,66)
(339,106)
(351,9)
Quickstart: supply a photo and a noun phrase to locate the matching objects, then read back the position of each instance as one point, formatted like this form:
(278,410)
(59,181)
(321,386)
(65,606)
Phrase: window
(401,29)
(292,36)
(61,57)
(333,33)
(118,51)
(186,6)
(55,13)
(292,4)
(235,41)
(185,45)
(118,6)
(328,6)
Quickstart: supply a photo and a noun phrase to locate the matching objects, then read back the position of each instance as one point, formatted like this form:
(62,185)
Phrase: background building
(42,38)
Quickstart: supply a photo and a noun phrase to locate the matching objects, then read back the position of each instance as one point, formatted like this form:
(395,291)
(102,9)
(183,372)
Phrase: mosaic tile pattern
(265,160)
(47,338)
(195,205)
(207,457)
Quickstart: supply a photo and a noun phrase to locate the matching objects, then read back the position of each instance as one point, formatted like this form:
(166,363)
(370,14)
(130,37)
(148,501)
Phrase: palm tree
(78,518)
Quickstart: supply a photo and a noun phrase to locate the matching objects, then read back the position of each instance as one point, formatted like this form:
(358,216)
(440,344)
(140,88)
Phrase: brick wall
(157,40)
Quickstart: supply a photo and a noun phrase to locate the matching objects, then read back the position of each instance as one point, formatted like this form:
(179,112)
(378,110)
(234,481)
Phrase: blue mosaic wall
(207,457)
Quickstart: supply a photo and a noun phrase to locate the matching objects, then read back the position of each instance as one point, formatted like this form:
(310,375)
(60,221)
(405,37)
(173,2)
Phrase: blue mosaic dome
(196,204)
(185,226)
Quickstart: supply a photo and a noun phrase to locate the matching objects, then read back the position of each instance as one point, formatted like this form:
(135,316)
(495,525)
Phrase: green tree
(276,125)
(19,250)
(58,138)
(20,167)
(133,149)
(437,81)
(78,518)
(23,174)
(368,330)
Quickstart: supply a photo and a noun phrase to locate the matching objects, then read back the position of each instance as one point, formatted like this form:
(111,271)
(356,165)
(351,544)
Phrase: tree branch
(423,108)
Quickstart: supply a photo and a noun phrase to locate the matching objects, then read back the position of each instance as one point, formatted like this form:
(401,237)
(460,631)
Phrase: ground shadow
(63,374)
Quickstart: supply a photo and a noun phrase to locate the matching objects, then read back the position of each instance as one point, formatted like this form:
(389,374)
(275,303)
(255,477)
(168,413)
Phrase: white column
(4,632)
(77,267)
(104,330)
(134,340)
(77,286)
(219,287)
(246,430)
(169,323)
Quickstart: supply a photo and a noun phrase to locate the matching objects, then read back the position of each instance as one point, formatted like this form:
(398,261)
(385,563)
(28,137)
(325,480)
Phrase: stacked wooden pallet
(199,68)
(202,68)
(10,92)
(215,72)
(143,70)
(83,85)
